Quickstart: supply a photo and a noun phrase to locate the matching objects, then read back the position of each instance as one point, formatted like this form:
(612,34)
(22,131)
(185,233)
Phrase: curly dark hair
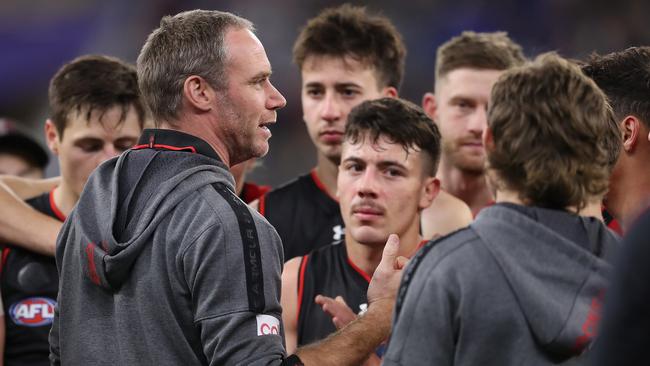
(350,31)
(401,122)
(625,78)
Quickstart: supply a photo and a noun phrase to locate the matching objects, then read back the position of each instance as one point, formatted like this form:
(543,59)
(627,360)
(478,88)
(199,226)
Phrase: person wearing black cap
(22,156)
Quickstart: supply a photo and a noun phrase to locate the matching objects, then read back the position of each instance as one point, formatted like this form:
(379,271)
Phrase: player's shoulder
(292,187)
(448,250)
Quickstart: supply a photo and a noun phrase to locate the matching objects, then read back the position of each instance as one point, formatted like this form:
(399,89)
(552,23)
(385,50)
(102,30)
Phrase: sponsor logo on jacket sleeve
(33,311)
(267,325)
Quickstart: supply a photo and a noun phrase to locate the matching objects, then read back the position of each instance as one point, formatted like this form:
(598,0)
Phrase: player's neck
(64,198)
(592,209)
(327,172)
(368,256)
(635,196)
(469,187)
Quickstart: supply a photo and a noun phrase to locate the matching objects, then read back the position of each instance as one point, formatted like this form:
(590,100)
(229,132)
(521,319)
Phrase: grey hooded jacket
(519,286)
(161,264)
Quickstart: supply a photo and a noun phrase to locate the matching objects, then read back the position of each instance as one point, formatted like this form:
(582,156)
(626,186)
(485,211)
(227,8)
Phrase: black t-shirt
(304,215)
(29,284)
(327,271)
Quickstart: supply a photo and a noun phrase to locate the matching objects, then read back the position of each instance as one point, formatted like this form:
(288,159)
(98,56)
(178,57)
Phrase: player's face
(460,110)
(14,165)
(331,87)
(249,103)
(87,143)
(382,189)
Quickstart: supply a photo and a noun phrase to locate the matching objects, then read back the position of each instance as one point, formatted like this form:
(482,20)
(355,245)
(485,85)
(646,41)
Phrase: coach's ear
(198,93)
(429,105)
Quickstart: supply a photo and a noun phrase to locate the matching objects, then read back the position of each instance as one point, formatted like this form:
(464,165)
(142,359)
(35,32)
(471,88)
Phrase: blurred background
(38,36)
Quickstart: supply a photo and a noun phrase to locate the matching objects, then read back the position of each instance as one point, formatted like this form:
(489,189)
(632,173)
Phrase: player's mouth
(331,136)
(472,144)
(366,212)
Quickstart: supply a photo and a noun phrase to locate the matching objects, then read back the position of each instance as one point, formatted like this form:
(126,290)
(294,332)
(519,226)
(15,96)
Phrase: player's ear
(631,128)
(488,139)
(429,105)
(430,191)
(52,137)
(389,92)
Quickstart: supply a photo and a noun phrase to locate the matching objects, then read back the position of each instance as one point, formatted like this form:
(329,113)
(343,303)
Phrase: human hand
(388,275)
(337,309)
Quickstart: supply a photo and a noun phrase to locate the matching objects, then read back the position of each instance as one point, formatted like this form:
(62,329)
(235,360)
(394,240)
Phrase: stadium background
(38,36)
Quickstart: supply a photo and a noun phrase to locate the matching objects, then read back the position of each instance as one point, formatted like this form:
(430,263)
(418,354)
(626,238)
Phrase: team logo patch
(267,325)
(33,311)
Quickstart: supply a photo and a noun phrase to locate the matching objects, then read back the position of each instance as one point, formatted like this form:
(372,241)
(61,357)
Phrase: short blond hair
(483,51)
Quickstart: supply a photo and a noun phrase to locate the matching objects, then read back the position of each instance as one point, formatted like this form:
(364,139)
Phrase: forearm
(26,188)
(353,344)
(23,226)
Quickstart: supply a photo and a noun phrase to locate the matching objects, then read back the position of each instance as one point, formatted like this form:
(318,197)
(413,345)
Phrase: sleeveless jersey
(29,284)
(327,271)
(304,215)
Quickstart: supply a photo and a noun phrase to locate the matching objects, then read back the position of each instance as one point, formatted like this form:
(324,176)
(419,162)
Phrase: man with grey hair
(160,263)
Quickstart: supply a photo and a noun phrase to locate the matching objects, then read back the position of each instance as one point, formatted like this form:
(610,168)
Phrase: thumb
(391,249)
(401,262)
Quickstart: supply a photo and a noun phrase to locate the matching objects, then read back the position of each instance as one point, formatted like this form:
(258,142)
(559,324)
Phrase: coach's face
(248,104)
(459,108)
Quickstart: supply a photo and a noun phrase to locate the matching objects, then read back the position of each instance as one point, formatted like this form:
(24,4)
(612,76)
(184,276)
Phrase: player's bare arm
(289,301)
(354,343)
(18,219)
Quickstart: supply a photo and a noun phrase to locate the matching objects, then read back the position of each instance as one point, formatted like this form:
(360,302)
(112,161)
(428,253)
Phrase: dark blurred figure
(625,78)
(22,156)
(625,329)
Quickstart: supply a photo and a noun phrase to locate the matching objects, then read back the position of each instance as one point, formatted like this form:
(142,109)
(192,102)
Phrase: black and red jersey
(611,222)
(29,284)
(327,271)
(251,191)
(305,216)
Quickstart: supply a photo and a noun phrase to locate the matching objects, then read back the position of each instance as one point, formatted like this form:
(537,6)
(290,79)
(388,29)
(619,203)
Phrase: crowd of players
(499,188)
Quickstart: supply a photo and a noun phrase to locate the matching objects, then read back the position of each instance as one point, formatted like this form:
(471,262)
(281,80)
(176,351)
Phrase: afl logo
(33,312)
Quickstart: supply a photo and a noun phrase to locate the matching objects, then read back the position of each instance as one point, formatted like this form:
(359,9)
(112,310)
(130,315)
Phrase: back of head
(186,44)
(552,130)
(349,31)
(401,122)
(625,78)
(482,51)
(25,148)
(94,83)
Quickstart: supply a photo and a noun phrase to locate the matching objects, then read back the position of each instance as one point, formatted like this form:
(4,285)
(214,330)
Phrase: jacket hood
(124,201)
(557,265)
